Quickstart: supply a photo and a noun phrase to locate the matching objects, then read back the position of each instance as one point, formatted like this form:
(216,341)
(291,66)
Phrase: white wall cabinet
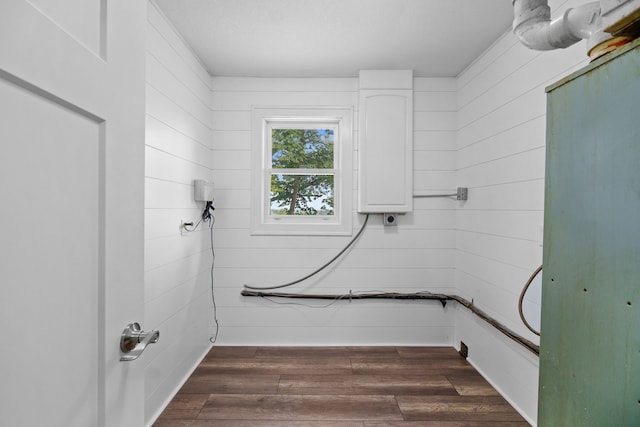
(385,161)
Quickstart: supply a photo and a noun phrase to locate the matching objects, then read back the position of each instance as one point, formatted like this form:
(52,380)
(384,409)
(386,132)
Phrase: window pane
(302,194)
(302,148)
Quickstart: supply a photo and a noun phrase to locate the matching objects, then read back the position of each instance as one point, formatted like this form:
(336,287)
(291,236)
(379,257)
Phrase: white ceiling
(304,38)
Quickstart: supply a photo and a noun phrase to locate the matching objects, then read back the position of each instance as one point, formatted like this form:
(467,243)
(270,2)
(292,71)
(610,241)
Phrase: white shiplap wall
(177,267)
(484,130)
(417,255)
(501,156)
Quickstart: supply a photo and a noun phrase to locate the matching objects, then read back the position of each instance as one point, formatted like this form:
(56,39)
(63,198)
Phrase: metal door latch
(134,340)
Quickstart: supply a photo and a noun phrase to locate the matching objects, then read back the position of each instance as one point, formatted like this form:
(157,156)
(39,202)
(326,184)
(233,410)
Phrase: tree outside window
(302,176)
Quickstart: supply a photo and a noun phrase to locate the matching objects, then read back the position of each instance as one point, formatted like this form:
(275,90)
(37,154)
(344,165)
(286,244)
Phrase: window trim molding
(339,224)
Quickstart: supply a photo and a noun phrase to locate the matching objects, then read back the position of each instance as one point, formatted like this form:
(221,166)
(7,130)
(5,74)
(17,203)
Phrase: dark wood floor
(337,387)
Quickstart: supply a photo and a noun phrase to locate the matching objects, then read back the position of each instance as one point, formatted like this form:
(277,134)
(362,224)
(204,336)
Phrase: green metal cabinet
(590,342)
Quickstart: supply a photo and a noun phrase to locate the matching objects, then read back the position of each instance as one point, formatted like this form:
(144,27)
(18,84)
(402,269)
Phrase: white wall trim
(177,388)
(502,393)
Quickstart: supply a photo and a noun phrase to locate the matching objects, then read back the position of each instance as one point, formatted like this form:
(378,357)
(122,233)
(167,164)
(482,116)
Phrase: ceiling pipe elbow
(533,26)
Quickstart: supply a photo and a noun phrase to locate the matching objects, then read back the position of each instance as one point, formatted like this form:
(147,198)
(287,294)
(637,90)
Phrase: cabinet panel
(385,149)
(590,342)
(384,156)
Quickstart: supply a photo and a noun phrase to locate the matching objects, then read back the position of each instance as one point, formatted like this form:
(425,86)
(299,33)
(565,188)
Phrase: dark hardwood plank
(472,385)
(315,384)
(301,352)
(373,352)
(315,352)
(230,352)
(366,385)
(446,424)
(411,366)
(214,383)
(253,423)
(456,408)
(337,387)
(185,405)
(278,365)
(300,408)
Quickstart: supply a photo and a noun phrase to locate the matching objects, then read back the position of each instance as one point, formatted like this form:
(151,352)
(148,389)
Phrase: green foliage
(302,193)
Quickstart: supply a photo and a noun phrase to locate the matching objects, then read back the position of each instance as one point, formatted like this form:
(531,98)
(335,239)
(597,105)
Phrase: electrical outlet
(462,193)
(184,227)
(464,350)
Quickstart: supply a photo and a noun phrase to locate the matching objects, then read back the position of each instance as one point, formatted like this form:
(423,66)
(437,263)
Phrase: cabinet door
(590,338)
(386,151)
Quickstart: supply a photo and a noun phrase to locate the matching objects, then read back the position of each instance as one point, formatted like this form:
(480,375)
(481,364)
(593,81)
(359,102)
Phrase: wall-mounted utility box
(385,149)
(203,190)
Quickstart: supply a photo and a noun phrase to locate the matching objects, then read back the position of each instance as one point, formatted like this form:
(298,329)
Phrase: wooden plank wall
(501,152)
(415,256)
(483,130)
(178,150)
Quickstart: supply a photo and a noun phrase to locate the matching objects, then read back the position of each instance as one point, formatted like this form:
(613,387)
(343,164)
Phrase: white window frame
(266,118)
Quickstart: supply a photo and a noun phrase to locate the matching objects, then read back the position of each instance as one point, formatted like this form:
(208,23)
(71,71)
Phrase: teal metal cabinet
(590,342)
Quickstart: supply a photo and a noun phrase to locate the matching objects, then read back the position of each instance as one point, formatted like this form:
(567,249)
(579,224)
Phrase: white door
(71,210)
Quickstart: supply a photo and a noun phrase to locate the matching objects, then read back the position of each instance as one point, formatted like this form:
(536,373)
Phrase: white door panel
(82,19)
(49,261)
(71,210)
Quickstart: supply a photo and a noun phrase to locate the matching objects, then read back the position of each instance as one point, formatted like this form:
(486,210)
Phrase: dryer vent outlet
(390,219)
(464,350)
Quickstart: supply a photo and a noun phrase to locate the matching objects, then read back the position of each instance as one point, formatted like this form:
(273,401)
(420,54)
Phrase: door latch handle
(134,340)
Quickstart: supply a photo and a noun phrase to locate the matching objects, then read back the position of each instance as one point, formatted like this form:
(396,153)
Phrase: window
(302,171)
